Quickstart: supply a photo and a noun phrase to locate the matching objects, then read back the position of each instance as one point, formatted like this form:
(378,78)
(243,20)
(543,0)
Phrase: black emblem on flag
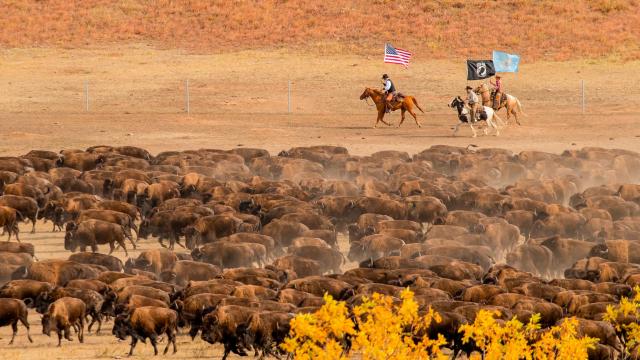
(480,69)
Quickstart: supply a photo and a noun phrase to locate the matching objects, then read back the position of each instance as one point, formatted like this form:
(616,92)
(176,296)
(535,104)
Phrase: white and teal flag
(504,62)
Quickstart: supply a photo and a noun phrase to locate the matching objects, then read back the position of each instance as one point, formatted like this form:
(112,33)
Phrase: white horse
(488,115)
(510,102)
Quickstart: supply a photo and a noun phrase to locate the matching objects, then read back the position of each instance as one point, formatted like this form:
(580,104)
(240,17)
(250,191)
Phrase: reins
(367,99)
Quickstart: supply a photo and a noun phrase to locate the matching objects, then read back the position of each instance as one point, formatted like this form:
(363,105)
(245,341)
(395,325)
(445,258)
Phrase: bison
(147,322)
(12,311)
(63,314)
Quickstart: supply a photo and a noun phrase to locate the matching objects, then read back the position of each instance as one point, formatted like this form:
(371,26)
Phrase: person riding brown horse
(508,101)
(379,97)
(390,91)
(497,92)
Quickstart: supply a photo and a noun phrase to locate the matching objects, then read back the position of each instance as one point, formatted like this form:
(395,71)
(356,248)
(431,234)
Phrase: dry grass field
(539,29)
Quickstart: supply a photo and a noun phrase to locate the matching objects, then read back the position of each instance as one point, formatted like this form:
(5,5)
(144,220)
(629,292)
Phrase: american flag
(396,56)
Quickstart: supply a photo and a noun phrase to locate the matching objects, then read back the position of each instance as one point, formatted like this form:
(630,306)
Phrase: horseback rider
(473,102)
(389,90)
(497,89)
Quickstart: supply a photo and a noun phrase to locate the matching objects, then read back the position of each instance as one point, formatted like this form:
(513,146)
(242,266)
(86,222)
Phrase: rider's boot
(496,101)
(387,107)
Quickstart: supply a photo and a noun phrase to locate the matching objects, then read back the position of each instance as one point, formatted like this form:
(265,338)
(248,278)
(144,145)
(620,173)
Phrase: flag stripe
(396,56)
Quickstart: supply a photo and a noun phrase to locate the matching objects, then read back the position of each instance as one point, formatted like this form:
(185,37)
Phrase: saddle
(397,97)
(503,99)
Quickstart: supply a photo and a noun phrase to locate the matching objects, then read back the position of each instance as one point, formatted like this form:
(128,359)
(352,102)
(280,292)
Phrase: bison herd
(248,239)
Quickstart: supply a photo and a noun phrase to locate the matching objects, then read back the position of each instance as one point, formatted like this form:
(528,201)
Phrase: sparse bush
(607,6)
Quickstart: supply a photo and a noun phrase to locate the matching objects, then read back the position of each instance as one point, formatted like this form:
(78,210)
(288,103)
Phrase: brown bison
(62,315)
(91,233)
(26,206)
(12,311)
(184,271)
(147,322)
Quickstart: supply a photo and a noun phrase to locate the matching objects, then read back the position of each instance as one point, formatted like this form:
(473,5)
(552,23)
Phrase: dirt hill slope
(544,29)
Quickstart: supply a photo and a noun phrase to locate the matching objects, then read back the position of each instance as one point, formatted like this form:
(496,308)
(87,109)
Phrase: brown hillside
(536,29)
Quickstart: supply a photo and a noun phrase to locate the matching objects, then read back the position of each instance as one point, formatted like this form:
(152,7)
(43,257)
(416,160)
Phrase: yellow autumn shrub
(512,339)
(379,329)
(322,335)
(388,331)
(624,319)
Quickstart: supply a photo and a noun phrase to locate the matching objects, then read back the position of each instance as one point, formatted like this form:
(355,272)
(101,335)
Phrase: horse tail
(416,103)
(520,107)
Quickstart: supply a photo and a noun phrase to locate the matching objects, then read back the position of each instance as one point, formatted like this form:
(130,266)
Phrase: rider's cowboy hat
(498,77)
(468,87)
(385,76)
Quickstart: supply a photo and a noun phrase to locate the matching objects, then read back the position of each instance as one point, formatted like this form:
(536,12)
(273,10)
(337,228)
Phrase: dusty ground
(136,98)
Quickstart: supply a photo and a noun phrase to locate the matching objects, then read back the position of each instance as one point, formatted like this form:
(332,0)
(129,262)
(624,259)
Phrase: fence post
(186,97)
(86,95)
(289,98)
(583,97)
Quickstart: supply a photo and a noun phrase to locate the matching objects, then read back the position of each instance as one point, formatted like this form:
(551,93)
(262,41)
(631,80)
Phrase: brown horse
(510,102)
(406,104)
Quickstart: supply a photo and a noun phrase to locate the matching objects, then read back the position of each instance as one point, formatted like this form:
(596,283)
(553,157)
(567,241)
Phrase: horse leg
(455,131)
(493,125)
(515,115)
(402,111)
(381,117)
(415,117)
(473,130)
(498,121)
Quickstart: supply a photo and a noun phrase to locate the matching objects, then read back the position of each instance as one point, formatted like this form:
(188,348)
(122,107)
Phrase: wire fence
(295,96)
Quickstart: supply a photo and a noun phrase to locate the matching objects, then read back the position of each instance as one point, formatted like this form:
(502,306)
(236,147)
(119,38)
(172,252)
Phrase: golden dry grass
(543,29)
